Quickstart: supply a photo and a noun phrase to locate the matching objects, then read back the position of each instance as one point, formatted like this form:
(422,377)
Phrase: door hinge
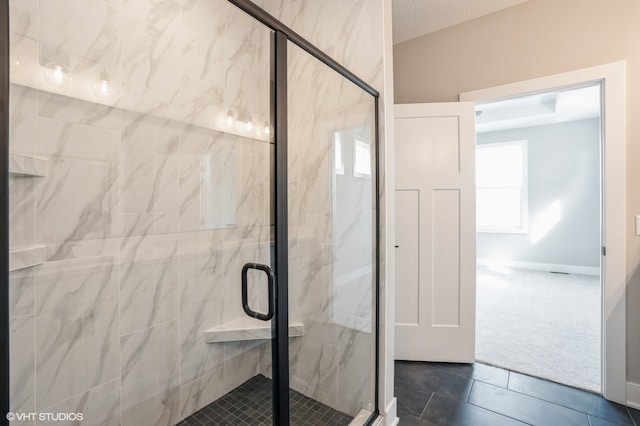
(604,251)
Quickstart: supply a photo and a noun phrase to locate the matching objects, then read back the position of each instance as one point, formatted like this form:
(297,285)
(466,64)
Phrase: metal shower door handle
(245,297)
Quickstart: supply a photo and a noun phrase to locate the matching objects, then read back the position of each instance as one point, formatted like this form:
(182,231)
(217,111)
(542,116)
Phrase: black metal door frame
(280,343)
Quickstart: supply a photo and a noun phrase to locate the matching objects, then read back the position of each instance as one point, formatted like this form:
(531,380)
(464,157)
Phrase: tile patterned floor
(250,405)
(440,394)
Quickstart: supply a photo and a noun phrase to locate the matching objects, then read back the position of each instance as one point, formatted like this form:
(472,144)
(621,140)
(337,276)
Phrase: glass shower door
(140,186)
(332,242)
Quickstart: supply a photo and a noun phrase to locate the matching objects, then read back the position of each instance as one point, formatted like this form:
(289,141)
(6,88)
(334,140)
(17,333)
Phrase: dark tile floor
(477,394)
(250,405)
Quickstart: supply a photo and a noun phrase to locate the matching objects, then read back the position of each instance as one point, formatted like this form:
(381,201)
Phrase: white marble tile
(93,31)
(151,49)
(150,376)
(65,108)
(317,372)
(238,252)
(22,364)
(241,362)
(76,327)
(203,40)
(140,224)
(98,406)
(24,66)
(247,40)
(246,93)
(78,200)
(23,18)
(201,392)
(26,165)
(149,151)
(356,371)
(22,211)
(23,120)
(310,287)
(148,281)
(201,102)
(248,328)
(22,292)
(26,257)
(200,263)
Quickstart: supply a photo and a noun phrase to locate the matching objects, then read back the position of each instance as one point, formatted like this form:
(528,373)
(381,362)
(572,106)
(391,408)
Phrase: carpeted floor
(542,324)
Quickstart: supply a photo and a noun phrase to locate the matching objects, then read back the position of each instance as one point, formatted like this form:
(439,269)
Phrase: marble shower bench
(247,328)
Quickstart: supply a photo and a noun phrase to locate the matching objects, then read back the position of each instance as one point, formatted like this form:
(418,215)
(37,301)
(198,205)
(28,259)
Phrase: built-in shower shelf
(26,257)
(248,328)
(27,165)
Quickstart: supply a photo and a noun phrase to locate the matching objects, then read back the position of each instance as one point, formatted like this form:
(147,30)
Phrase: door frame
(613,203)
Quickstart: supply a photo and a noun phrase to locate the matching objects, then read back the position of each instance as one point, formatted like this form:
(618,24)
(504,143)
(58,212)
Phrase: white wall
(563,166)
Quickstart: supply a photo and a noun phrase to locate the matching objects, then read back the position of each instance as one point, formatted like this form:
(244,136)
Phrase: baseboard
(549,267)
(391,413)
(633,395)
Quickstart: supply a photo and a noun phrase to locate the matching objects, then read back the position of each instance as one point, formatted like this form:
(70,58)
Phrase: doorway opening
(539,234)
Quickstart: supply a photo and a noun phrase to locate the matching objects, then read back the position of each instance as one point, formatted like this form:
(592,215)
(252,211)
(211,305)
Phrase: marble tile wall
(154,200)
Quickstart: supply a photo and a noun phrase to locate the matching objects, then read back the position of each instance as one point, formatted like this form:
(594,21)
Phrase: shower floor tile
(250,404)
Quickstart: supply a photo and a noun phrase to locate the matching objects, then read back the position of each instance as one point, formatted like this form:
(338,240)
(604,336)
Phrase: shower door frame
(280,353)
(280,347)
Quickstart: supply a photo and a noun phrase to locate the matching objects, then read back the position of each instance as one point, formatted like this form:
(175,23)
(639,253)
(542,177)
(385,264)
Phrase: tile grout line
(633,421)
(473,383)
(425,405)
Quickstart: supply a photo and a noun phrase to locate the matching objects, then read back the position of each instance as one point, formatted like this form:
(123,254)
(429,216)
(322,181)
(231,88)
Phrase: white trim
(612,77)
(548,267)
(386,343)
(391,413)
(633,395)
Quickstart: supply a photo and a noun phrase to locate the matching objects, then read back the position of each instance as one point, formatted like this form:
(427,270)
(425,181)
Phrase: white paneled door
(435,232)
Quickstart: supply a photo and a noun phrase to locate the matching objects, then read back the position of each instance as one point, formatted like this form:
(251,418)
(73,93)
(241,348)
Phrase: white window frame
(524,192)
(360,141)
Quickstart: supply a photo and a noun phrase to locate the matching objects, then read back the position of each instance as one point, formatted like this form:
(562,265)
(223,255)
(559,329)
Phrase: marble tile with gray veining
(98,406)
(23,120)
(23,18)
(149,151)
(22,364)
(22,292)
(151,49)
(200,263)
(150,376)
(317,372)
(356,370)
(201,392)
(93,31)
(79,199)
(148,281)
(241,362)
(22,211)
(203,40)
(65,108)
(76,327)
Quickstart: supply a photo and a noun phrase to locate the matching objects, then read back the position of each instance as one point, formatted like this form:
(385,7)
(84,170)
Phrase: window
(361,158)
(337,147)
(501,185)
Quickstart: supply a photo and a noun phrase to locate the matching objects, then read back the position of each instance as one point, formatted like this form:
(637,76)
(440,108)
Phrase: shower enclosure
(192,218)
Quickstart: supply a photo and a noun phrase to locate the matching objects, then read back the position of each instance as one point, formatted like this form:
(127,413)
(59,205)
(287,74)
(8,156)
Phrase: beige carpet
(542,324)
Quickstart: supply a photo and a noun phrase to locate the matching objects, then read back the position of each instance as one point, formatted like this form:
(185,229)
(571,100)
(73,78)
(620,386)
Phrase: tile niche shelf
(27,165)
(25,257)
(247,328)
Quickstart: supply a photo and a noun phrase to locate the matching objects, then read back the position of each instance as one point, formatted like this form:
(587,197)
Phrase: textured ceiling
(414,18)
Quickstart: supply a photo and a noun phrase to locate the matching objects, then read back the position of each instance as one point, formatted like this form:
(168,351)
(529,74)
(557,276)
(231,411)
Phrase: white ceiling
(414,18)
(539,109)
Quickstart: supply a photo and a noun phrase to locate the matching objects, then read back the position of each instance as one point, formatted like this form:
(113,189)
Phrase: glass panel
(332,242)
(140,185)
